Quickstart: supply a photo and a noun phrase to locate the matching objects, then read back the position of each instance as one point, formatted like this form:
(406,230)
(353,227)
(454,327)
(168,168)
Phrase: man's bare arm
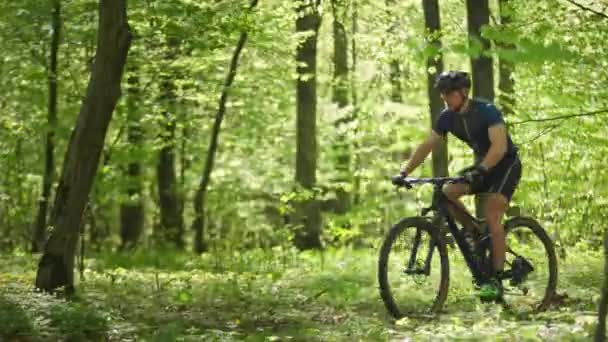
(498,146)
(421,152)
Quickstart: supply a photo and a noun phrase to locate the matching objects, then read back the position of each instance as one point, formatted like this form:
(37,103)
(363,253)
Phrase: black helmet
(452,80)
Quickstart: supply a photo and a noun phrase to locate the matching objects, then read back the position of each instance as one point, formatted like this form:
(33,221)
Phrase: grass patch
(78,322)
(15,322)
(275,295)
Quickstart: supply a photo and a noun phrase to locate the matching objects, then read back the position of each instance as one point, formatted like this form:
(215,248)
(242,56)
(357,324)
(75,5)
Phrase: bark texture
(307,211)
(433,26)
(56,267)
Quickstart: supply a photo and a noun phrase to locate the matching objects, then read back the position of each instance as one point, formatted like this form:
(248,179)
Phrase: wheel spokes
(414,274)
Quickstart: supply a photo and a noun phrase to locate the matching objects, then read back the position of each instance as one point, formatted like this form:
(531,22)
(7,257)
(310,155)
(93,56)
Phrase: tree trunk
(478,15)
(198,225)
(49,163)
(395,77)
(308,214)
(355,102)
(94,231)
(185,161)
(132,211)
(600,332)
(340,58)
(18,172)
(395,74)
(506,84)
(171,220)
(340,97)
(433,26)
(97,209)
(56,267)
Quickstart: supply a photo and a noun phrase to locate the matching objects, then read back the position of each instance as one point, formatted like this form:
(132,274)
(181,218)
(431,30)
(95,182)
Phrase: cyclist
(497,168)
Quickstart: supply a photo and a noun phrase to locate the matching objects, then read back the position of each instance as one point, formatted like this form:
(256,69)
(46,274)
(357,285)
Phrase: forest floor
(272,296)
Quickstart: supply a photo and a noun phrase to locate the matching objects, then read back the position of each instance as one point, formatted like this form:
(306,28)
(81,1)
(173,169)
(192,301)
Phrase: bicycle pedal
(520,270)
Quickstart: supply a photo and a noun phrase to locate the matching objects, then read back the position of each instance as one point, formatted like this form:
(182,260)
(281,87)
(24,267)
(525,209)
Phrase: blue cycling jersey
(472,126)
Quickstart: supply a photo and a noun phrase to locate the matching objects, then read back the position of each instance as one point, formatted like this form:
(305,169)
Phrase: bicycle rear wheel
(532,264)
(413,269)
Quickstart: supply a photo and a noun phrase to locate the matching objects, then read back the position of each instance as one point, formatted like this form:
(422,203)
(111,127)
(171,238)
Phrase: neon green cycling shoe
(491,292)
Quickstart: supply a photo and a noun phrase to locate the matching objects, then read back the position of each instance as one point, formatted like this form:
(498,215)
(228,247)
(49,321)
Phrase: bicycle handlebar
(408,182)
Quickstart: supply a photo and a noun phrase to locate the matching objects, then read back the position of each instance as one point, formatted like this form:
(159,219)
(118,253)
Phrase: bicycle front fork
(412,266)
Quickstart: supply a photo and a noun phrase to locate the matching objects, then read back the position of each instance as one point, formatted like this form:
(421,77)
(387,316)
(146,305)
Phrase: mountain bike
(413,267)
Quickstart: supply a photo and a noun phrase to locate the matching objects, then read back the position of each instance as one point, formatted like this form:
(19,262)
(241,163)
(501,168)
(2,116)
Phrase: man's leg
(495,208)
(454,192)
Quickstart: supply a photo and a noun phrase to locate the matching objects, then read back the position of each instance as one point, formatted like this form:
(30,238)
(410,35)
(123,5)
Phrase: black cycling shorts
(502,178)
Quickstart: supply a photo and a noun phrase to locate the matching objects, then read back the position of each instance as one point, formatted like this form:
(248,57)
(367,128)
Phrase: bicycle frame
(440,205)
(467,251)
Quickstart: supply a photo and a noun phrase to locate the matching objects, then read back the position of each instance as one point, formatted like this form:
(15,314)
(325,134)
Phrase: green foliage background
(238,292)
(560,70)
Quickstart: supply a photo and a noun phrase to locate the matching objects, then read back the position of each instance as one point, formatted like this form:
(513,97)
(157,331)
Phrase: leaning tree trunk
(340,97)
(307,211)
(478,15)
(171,219)
(56,267)
(433,26)
(49,162)
(600,332)
(132,211)
(506,84)
(198,225)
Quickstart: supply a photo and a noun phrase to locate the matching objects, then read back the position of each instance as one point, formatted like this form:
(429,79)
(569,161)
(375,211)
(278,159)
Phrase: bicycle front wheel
(413,269)
(531,261)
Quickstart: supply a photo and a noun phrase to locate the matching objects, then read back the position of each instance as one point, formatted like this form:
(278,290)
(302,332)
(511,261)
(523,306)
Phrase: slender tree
(396,79)
(308,214)
(198,225)
(49,162)
(395,74)
(185,158)
(354,97)
(340,97)
(340,57)
(435,62)
(171,219)
(56,267)
(97,211)
(506,84)
(132,211)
